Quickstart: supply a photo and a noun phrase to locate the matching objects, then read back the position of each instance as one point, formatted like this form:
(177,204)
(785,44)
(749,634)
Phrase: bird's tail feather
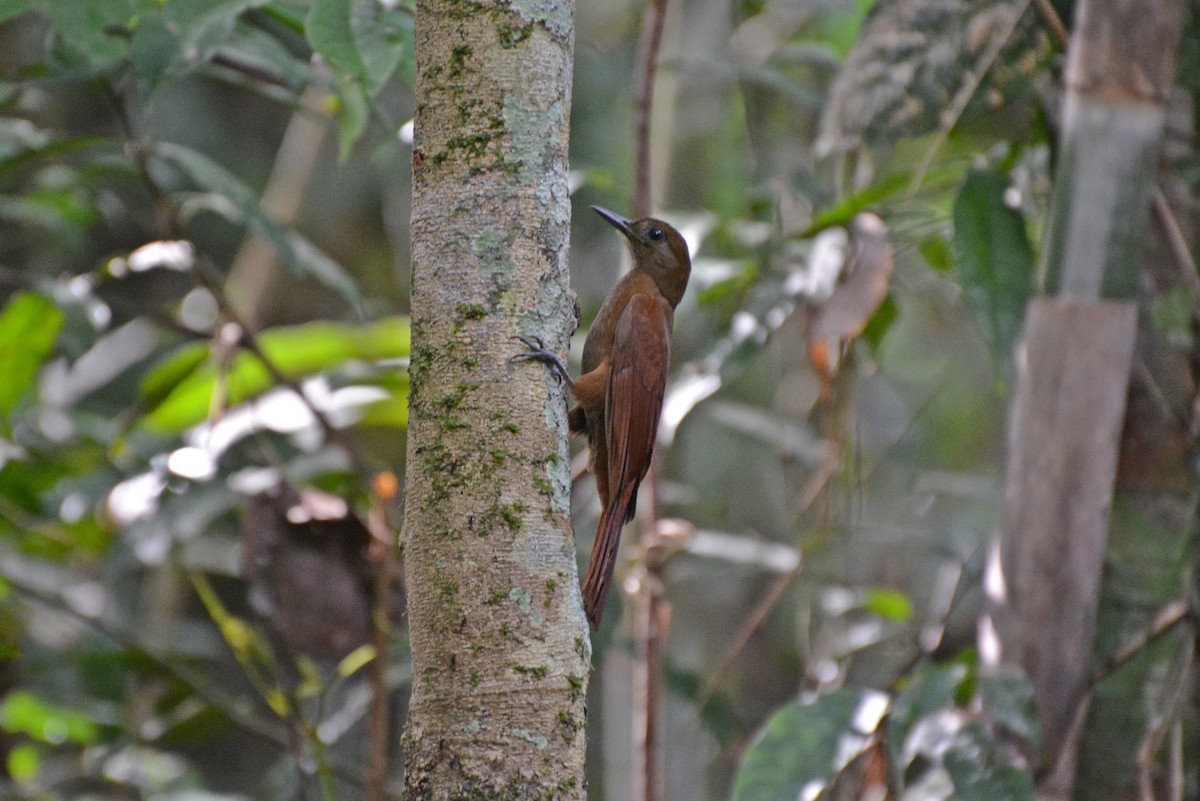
(603,560)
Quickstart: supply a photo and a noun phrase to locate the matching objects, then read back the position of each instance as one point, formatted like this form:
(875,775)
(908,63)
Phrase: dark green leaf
(259,51)
(354,110)
(99,30)
(361,38)
(1007,698)
(937,253)
(330,32)
(843,212)
(880,322)
(994,258)
(29,326)
(384,38)
(203,25)
(11,8)
(152,49)
(978,774)
(799,745)
(364,43)
(931,689)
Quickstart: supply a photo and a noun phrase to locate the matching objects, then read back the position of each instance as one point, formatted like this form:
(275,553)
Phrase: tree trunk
(1075,362)
(499,641)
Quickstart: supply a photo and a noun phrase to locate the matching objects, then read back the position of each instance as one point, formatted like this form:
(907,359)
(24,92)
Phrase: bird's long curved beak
(614,219)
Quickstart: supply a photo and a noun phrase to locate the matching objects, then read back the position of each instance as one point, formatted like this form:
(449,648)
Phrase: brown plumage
(619,396)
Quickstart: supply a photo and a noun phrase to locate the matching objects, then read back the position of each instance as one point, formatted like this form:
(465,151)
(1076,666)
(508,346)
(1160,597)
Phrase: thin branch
(1053,20)
(384,556)
(648,46)
(651,612)
(1164,622)
(1179,244)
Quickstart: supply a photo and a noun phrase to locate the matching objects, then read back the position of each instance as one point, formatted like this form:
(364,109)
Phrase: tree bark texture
(1063,435)
(1075,361)
(499,642)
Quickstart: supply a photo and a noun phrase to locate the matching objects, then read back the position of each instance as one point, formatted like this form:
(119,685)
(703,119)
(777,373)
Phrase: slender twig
(651,611)
(1053,20)
(384,556)
(1167,619)
(1179,244)
(648,46)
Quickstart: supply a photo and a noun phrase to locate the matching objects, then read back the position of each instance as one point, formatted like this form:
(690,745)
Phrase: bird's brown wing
(637,380)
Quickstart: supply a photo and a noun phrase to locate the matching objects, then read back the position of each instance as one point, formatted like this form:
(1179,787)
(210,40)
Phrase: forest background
(204,207)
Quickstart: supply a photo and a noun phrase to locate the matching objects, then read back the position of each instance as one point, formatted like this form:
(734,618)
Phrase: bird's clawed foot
(538,352)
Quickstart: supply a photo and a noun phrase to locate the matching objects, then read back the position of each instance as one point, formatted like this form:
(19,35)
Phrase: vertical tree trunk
(1074,367)
(500,645)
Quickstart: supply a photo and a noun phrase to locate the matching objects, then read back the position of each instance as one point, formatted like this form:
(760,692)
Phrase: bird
(619,394)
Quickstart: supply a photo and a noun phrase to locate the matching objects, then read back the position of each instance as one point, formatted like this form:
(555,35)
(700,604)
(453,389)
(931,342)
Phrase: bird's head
(658,250)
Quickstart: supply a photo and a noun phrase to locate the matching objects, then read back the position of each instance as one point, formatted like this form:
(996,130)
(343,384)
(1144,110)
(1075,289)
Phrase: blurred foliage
(141,410)
(140,146)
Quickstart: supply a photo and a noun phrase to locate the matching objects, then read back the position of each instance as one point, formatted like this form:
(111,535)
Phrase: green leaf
(204,25)
(932,688)
(843,212)
(1007,697)
(365,43)
(979,774)
(29,326)
(99,30)
(361,38)
(12,8)
(153,49)
(24,762)
(384,39)
(165,376)
(937,253)
(296,351)
(799,745)
(355,660)
(889,604)
(296,253)
(1172,316)
(259,50)
(994,259)
(354,109)
(730,287)
(330,32)
(24,712)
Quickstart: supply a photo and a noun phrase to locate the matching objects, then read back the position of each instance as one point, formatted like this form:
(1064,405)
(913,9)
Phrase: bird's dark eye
(656,234)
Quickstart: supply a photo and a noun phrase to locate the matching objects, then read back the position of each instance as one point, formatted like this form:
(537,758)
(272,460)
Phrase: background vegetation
(170,513)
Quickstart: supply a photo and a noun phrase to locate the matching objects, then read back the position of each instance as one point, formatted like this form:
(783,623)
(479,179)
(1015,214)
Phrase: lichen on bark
(495,617)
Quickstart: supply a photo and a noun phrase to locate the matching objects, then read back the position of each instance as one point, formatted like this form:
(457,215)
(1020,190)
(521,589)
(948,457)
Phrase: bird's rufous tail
(603,560)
